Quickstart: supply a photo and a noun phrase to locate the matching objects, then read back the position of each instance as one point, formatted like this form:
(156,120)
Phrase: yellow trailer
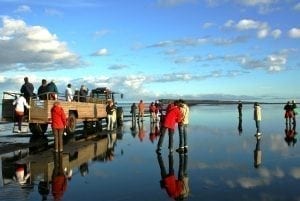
(91,112)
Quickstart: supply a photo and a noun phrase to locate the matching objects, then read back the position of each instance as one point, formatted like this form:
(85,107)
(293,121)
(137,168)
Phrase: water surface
(223,163)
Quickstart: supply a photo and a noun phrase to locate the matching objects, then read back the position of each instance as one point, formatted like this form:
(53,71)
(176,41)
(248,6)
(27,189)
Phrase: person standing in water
(257,117)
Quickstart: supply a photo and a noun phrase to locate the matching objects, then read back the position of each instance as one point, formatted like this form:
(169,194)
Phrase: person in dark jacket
(52,89)
(59,122)
(42,90)
(27,89)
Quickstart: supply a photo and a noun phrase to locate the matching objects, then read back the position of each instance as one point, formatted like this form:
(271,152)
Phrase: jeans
(182,135)
(162,135)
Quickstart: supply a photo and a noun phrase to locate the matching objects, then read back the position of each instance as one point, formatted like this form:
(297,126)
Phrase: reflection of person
(183,176)
(58,125)
(169,182)
(257,117)
(182,126)
(141,107)
(69,93)
(257,153)
(59,179)
(294,106)
(289,114)
(43,189)
(173,116)
(290,133)
(240,126)
(84,169)
(141,131)
(20,103)
(42,90)
(27,89)
(240,107)
(110,153)
(21,174)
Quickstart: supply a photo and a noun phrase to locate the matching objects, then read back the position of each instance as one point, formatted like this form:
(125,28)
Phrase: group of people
(177,113)
(137,109)
(290,112)
(289,115)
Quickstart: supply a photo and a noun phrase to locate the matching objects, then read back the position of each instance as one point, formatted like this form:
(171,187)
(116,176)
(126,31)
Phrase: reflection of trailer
(91,112)
(41,164)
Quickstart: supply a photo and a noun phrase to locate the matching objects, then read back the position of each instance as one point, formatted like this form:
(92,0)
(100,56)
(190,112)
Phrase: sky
(151,49)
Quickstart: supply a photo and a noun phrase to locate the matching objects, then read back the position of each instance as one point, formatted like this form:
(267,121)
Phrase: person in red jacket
(59,122)
(173,116)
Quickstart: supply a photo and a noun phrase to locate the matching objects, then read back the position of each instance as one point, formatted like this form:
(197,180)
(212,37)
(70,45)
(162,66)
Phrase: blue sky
(238,49)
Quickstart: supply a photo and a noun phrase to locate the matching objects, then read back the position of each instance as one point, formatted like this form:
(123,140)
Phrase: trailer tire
(38,129)
(71,125)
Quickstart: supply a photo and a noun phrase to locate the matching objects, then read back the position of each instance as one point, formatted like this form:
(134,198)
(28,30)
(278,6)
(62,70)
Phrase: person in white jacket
(182,126)
(20,103)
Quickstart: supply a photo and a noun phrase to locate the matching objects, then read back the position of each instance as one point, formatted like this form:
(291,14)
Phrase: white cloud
(101,52)
(23,9)
(297,6)
(262,29)
(229,23)
(207,25)
(262,33)
(53,12)
(276,33)
(171,3)
(102,32)
(246,24)
(294,33)
(32,48)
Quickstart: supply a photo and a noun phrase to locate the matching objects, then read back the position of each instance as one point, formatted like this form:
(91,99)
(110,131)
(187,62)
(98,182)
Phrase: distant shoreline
(215,102)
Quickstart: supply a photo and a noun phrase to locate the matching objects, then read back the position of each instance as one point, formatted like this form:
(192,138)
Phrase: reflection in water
(176,188)
(52,171)
(141,131)
(257,152)
(59,177)
(240,125)
(154,131)
(290,134)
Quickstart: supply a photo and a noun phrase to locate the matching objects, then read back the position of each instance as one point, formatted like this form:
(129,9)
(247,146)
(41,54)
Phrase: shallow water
(220,161)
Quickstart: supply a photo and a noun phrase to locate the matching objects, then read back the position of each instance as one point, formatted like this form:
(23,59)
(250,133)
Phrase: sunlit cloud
(33,48)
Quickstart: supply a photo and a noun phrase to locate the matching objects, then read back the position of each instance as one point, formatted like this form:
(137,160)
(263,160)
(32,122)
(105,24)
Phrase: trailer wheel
(71,126)
(38,129)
